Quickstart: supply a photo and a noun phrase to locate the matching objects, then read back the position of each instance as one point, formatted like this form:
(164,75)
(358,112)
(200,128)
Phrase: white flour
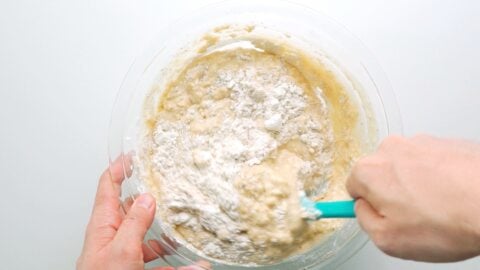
(201,154)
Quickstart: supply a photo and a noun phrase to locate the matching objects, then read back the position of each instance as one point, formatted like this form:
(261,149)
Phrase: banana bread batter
(235,137)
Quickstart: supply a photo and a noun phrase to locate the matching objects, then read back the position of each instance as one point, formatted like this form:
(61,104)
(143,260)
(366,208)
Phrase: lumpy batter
(234,139)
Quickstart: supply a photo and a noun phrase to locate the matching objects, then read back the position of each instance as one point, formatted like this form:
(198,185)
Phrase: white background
(62,61)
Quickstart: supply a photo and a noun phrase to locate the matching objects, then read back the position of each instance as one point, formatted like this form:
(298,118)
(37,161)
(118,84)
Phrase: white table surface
(62,61)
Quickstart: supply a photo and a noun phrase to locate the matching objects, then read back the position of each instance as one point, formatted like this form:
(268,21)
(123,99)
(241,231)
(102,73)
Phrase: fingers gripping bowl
(326,104)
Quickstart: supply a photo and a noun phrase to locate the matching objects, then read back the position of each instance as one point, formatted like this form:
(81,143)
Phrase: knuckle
(350,184)
(367,166)
(360,174)
(130,220)
(354,189)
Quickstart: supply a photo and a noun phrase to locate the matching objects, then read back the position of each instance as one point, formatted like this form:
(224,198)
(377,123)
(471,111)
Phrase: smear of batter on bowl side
(235,137)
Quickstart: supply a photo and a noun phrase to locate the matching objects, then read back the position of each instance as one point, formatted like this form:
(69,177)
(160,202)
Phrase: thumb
(137,221)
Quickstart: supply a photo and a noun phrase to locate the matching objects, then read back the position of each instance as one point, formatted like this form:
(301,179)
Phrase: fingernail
(145,200)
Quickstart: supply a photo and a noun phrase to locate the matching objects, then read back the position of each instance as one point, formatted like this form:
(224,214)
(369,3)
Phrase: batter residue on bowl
(235,137)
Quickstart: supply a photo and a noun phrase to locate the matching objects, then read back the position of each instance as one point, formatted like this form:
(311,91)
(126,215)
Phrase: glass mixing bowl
(369,87)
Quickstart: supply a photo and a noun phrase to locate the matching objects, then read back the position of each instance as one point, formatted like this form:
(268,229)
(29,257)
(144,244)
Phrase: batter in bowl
(234,139)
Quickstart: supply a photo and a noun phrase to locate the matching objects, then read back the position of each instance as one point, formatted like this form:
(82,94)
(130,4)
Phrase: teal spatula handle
(336,209)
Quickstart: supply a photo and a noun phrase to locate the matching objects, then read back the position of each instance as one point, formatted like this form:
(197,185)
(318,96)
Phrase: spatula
(330,209)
